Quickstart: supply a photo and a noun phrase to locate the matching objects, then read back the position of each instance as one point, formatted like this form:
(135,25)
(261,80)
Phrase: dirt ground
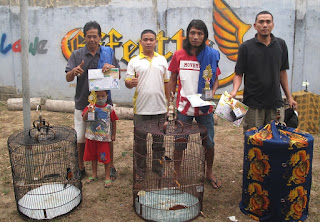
(115,204)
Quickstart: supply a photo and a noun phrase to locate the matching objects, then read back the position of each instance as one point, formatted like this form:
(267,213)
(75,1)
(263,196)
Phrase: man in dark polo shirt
(263,60)
(88,57)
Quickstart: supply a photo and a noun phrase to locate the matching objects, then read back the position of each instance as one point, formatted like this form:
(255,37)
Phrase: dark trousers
(141,146)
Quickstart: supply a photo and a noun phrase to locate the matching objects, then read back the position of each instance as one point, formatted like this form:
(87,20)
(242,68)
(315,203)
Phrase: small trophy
(206,91)
(92,99)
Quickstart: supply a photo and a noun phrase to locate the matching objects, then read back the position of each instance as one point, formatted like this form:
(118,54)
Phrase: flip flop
(91,179)
(113,173)
(106,182)
(214,183)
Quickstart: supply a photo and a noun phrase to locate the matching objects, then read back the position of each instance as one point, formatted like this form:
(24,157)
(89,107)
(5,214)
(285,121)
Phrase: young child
(99,134)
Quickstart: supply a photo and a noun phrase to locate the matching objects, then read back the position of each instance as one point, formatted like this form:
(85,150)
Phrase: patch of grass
(4,192)
(125,171)
(6,180)
(3,106)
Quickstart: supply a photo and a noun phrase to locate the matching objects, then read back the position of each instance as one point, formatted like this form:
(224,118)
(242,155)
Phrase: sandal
(215,184)
(91,179)
(113,173)
(107,183)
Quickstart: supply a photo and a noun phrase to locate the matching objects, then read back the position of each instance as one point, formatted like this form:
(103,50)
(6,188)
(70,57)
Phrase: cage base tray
(156,205)
(49,201)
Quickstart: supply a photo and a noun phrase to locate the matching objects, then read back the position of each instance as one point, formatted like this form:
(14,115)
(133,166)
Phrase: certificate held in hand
(103,81)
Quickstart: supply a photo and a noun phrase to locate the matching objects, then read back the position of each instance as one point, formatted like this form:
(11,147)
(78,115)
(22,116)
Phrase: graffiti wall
(54,32)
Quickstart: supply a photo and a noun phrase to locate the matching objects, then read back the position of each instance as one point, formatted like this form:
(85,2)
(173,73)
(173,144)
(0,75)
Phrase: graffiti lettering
(4,49)
(161,41)
(34,48)
(38,47)
(114,35)
(178,39)
(74,39)
(16,47)
(128,49)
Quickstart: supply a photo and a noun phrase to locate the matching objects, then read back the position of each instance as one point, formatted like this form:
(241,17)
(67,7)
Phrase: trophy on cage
(207,91)
(171,121)
(41,128)
(92,99)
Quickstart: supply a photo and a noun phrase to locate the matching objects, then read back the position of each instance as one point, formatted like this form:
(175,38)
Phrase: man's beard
(265,35)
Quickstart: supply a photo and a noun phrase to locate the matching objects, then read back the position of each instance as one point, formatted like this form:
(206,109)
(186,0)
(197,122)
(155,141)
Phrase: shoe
(83,174)
(113,173)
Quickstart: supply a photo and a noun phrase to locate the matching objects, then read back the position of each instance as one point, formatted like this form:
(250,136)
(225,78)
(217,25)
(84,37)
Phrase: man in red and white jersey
(188,65)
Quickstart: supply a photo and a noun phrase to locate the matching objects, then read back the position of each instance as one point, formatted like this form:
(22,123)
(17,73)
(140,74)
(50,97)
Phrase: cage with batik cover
(45,171)
(168,170)
(277,172)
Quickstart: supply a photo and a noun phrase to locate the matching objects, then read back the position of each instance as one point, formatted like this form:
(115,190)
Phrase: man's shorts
(258,118)
(96,150)
(80,126)
(206,120)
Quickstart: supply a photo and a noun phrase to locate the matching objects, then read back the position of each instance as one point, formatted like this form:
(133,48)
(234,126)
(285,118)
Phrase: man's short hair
(264,13)
(148,31)
(91,25)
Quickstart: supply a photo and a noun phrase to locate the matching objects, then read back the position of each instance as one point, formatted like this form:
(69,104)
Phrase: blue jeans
(206,120)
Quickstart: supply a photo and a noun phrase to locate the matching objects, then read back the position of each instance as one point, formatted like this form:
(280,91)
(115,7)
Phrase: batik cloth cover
(277,173)
(308,109)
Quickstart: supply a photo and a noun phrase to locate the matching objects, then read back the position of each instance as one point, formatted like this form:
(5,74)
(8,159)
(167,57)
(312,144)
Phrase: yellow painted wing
(228,29)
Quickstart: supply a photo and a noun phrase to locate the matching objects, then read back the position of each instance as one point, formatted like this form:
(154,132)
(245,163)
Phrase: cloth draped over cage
(308,109)
(277,172)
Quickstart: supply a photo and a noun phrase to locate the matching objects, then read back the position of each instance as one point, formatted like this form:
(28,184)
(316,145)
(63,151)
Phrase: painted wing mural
(228,34)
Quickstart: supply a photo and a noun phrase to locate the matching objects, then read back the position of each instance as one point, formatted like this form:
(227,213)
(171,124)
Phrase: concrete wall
(52,22)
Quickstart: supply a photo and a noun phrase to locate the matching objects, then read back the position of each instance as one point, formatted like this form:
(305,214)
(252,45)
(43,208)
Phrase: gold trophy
(206,91)
(92,99)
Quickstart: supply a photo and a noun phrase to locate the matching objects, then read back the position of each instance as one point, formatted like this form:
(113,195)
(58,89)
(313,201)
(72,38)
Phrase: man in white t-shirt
(148,73)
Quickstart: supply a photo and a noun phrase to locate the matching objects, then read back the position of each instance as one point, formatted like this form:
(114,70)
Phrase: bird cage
(168,170)
(277,173)
(45,172)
